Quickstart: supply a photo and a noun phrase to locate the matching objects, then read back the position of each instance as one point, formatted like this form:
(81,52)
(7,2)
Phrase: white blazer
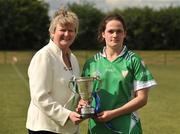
(51,99)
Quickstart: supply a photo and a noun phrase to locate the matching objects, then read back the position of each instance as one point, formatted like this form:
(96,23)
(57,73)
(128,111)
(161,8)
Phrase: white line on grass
(20,75)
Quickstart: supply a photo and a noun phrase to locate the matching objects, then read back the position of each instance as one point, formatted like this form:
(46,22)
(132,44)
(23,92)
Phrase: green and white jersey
(119,80)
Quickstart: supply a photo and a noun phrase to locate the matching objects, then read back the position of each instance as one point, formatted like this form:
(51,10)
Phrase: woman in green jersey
(125,81)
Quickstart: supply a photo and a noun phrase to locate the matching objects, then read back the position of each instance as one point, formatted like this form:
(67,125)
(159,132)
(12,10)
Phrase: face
(64,36)
(114,34)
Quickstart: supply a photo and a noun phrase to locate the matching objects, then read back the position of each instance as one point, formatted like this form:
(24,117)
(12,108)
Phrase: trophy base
(87,112)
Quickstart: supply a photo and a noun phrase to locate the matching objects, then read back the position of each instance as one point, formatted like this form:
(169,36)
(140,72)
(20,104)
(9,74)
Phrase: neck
(67,61)
(112,54)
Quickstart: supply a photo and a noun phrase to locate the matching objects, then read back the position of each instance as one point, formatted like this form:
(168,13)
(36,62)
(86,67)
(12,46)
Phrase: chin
(64,46)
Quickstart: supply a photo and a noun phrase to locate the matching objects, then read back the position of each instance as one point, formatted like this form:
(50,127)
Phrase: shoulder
(74,60)
(98,56)
(73,56)
(42,54)
(132,56)
(95,58)
(133,60)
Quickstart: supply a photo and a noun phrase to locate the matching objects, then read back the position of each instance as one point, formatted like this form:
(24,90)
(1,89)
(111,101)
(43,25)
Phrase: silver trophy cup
(84,87)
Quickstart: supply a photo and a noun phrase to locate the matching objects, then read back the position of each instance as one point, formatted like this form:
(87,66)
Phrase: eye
(119,31)
(62,30)
(70,30)
(110,31)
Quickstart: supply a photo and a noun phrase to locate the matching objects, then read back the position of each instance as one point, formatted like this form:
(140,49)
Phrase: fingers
(81,104)
(75,117)
(78,109)
(103,116)
(100,114)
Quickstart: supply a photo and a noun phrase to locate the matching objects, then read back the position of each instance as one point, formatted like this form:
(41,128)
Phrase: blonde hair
(63,17)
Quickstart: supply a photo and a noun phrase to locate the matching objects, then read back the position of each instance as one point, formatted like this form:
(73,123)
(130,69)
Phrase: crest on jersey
(124,73)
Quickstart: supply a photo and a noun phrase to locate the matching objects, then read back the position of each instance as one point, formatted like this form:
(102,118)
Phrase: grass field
(159,116)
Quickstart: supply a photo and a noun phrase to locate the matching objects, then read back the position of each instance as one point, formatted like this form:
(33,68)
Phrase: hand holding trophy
(84,87)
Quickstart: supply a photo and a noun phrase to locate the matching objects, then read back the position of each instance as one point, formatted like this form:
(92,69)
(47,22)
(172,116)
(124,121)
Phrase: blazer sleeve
(40,74)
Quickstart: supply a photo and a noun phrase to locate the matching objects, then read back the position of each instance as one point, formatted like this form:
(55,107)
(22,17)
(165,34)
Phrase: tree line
(24,26)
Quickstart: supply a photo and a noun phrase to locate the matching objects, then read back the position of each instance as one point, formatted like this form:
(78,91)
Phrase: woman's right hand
(75,118)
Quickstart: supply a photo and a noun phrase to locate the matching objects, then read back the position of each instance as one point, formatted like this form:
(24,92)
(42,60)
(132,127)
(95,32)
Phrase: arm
(141,97)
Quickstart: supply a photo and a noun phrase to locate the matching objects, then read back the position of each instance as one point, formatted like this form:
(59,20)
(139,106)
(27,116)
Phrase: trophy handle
(73,85)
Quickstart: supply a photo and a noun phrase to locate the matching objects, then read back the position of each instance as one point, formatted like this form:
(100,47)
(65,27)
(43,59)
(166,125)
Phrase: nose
(66,33)
(114,34)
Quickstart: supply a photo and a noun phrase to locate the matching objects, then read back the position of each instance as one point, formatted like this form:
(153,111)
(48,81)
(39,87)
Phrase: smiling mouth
(66,40)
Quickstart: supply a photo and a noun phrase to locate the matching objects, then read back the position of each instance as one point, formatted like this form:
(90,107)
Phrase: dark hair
(102,26)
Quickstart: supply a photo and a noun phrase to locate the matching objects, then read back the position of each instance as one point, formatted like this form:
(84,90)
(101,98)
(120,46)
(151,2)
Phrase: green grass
(14,100)
(159,116)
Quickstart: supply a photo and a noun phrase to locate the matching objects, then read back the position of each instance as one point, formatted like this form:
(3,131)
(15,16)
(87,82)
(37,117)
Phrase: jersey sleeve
(142,76)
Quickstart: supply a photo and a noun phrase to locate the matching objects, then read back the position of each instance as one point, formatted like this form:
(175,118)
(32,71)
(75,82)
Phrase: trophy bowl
(84,87)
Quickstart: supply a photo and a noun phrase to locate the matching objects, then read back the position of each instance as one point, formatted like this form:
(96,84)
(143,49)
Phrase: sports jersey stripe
(141,84)
(97,56)
(129,55)
(134,120)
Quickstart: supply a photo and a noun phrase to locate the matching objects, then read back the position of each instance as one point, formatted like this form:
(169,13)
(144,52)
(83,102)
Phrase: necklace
(68,68)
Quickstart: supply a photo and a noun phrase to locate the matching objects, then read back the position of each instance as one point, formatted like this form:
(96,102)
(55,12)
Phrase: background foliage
(90,18)
(24,26)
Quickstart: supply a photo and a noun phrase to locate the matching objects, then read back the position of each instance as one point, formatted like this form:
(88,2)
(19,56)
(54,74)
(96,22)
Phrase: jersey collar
(103,54)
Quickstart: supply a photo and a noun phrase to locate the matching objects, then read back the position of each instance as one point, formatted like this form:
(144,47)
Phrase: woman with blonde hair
(52,106)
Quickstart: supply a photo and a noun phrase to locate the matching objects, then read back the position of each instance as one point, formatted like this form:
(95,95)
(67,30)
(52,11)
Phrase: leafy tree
(138,21)
(23,25)
(150,29)
(167,25)
(90,18)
